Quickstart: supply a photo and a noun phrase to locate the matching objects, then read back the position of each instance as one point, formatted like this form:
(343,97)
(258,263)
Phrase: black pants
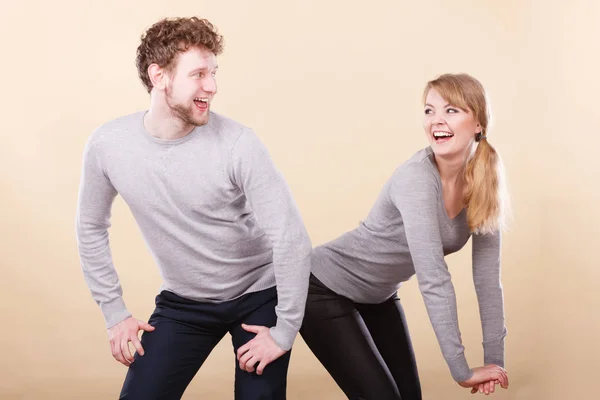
(365,347)
(187,331)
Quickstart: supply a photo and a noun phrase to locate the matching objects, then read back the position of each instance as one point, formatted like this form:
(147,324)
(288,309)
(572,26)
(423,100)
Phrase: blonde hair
(485,195)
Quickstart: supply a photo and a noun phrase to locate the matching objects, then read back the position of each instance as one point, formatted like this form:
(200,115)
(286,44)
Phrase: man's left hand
(262,349)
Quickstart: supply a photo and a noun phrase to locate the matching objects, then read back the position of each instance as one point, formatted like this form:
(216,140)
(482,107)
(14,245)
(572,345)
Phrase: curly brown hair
(165,39)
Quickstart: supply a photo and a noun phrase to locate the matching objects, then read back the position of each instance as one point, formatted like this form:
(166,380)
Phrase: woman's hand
(484,375)
(486,387)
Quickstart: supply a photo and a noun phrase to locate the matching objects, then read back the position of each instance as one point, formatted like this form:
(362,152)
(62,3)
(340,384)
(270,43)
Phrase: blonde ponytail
(484,194)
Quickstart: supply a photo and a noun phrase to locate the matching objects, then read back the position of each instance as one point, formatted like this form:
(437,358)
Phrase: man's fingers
(244,349)
(138,345)
(115,349)
(119,357)
(244,360)
(251,328)
(251,364)
(126,352)
(145,326)
(261,366)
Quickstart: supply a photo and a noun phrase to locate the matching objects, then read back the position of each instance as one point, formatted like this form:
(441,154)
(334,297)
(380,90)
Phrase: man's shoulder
(226,126)
(117,127)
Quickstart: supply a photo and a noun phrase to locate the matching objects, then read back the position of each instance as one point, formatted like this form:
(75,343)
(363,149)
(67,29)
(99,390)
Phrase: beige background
(333,88)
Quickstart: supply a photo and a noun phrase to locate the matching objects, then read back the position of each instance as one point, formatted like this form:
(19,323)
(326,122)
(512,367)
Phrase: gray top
(406,232)
(214,211)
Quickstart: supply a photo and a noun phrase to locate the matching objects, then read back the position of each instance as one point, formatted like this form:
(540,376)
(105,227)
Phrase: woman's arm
(415,192)
(486,277)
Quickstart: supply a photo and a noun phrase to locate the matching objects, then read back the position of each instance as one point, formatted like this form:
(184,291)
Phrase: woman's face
(449,130)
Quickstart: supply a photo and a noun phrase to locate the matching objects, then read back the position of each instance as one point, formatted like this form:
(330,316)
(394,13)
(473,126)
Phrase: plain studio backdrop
(334,89)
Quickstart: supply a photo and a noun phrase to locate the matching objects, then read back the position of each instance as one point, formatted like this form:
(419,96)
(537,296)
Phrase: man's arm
(276,212)
(96,195)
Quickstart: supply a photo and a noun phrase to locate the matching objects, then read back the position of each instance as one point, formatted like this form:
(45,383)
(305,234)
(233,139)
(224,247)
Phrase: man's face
(192,85)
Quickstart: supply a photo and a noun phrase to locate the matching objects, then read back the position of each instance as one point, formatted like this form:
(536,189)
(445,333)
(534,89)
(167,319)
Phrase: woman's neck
(451,169)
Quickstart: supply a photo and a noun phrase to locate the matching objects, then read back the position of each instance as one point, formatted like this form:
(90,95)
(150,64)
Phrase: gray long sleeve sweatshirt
(215,212)
(408,232)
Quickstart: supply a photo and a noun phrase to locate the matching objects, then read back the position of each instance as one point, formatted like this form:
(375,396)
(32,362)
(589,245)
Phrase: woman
(430,207)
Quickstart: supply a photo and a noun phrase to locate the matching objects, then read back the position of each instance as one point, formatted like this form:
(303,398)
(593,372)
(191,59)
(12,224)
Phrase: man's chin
(202,120)
(195,120)
(191,116)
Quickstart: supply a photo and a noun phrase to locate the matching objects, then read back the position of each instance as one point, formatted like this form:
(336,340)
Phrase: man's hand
(261,349)
(124,332)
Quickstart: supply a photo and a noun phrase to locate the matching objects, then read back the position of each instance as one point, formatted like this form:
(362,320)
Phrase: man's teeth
(442,134)
(201,100)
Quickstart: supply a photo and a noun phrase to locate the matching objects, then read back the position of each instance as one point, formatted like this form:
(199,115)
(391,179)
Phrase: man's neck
(162,124)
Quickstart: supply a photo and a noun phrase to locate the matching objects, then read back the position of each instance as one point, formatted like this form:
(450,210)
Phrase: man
(217,216)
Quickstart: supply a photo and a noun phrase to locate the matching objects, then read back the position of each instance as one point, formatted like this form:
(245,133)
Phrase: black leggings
(365,347)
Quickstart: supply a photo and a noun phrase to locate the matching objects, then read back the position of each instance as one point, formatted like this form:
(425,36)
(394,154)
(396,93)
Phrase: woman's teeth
(442,134)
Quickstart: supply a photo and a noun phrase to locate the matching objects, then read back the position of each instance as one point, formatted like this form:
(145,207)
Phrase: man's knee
(271,385)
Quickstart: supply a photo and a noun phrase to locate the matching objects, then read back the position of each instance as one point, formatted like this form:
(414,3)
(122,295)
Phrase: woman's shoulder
(419,169)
